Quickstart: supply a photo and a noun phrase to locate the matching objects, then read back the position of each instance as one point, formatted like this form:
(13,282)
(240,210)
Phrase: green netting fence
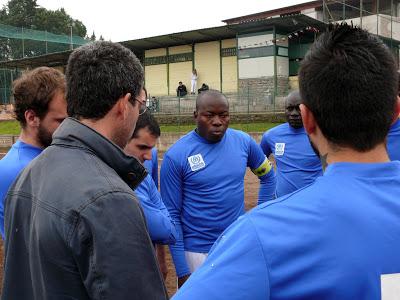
(6,78)
(20,42)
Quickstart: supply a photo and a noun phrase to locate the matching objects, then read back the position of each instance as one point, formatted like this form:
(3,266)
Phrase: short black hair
(348,80)
(98,74)
(147,120)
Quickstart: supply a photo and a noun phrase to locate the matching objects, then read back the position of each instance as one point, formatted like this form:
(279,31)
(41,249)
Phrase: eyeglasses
(142,105)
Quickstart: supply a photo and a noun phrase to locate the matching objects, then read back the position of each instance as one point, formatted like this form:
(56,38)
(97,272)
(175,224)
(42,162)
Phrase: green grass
(12,127)
(247,127)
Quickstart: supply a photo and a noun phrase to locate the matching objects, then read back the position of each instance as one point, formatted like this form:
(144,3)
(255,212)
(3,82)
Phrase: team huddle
(83,218)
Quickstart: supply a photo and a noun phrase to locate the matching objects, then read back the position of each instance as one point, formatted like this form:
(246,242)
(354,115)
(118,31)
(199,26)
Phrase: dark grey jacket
(74,229)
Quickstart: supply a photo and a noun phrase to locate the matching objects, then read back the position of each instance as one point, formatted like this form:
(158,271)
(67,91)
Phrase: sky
(121,20)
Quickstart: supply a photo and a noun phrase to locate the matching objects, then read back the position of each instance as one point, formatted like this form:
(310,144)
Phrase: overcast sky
(120,20)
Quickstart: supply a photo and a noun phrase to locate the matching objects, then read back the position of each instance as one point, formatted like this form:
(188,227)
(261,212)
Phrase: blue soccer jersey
(152,165)
(297,165)
(335,239)
(11,165)
(393,141)
(160,225)
(202,185)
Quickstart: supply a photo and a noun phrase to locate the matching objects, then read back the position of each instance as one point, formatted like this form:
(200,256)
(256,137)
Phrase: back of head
(98,74)
(147,120)
(34,90)
(348,80)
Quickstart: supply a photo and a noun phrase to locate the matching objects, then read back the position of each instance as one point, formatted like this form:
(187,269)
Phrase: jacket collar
(76,134)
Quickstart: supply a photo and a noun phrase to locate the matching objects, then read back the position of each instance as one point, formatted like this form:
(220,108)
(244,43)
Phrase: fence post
(248,106)
(23,43)
(179,113)
(5,86)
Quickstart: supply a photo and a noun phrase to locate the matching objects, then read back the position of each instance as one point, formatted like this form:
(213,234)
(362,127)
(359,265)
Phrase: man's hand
(182,280)
(160,251)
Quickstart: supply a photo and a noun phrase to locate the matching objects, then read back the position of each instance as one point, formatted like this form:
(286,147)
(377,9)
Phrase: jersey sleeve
(154,169)
(264,144)
(161,227)
(171,193)
(262,168)
(235,268)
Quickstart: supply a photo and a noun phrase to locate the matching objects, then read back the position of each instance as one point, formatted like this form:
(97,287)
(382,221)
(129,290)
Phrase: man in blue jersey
(160,225)
(202,181)
(39,108)
(297,165)
(338,237)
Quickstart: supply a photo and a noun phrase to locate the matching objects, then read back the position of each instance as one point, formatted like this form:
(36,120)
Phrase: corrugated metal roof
(275,12)
(284,24)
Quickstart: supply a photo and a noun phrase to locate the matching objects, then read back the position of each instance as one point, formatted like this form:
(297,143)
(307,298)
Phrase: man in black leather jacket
(74,229)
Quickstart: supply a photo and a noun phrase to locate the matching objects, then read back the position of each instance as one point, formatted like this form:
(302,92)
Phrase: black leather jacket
(74,229)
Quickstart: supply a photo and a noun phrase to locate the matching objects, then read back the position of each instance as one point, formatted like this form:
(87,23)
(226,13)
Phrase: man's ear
(122,105)
(32,120)
(195,115)
(309,122)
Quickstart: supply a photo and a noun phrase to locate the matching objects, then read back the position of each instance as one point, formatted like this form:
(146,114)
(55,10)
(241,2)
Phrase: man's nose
(216,121)
(147,155)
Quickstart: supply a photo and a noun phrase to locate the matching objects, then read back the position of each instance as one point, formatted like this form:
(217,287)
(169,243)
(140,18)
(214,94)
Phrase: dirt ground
(251,192)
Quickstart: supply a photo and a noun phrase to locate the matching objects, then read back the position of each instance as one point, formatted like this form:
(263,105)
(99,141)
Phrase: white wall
(256,67)
(282,66)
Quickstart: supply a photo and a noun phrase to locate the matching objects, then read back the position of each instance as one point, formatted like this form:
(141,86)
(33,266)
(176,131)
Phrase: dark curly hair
(98,74)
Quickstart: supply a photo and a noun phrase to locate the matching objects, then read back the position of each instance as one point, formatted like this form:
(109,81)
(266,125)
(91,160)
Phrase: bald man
(202,181)
(297,164)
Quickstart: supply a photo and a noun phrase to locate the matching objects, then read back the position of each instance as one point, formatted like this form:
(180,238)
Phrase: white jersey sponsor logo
(390,286)
(196,162)
(279,149)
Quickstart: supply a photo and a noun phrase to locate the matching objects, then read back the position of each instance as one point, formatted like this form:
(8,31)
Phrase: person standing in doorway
(193,82)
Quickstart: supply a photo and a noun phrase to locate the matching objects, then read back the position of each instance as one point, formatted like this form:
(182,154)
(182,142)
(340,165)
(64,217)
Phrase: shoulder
(182,144)
(395,128)
(282,128)
(237,134)
(10,162)
(296,203)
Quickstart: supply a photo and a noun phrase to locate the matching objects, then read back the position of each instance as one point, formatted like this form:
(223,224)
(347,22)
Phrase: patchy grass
(13,128)
(10,127)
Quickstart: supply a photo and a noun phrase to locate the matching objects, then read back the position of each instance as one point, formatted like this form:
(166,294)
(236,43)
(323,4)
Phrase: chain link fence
(247,100)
